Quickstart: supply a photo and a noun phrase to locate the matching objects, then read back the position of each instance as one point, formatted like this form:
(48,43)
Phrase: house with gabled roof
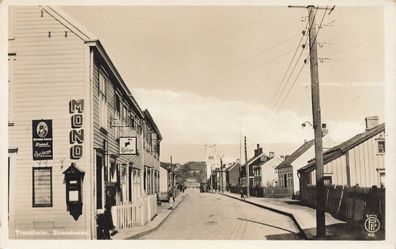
(257,158)
(359,161)
(233,174)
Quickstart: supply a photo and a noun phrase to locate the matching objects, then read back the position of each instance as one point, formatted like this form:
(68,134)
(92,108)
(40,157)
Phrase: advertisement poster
(42,139)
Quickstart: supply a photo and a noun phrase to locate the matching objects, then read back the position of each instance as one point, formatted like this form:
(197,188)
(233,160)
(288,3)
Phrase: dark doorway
(99,190)
(285,179)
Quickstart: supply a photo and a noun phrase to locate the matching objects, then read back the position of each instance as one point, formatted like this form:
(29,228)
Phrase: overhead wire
(297,76)
(214,75)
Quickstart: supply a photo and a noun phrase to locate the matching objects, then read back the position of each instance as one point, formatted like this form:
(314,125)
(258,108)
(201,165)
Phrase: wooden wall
(48,72)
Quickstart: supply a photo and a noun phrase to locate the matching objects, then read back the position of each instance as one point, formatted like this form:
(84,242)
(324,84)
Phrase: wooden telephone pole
(317,123)
(247,171)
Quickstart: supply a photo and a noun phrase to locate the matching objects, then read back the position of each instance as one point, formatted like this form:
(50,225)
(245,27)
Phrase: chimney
(282,157)
(258,151)
(371,122)
(271,154)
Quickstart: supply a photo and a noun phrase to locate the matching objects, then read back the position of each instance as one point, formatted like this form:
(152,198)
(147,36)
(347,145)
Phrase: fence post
(339,204)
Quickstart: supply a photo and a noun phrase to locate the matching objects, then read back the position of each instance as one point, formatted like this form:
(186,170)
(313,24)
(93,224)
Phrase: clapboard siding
(111,136)
(364,161)
(48,73)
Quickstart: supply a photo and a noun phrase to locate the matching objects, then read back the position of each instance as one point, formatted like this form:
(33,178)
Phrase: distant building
(257,159)
(233,174)
(164,183)
(192,183)
(357,161)
(265,173)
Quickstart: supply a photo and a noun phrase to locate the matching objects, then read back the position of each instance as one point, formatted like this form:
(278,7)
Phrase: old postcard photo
(188,121)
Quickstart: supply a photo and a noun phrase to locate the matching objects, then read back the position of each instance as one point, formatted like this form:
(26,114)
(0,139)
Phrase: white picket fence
(135,214)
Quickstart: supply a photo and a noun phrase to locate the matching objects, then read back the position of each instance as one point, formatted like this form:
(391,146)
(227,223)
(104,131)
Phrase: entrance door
(285,179)
(99,182)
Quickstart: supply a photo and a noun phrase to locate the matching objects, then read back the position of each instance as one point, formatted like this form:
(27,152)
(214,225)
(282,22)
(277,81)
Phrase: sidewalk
(305,218)
(163,213)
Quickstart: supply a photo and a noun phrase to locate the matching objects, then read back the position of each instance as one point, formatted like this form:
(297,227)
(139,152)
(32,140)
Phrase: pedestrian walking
(171,198)
(242,194)
(108,223)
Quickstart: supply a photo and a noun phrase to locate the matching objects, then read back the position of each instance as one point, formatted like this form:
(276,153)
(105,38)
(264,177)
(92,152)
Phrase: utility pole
(221,174)
(172,173)
(317,123)
(247,171)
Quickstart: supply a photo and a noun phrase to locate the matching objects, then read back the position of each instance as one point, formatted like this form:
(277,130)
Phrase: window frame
(34,205)
(102,95)
(382,141)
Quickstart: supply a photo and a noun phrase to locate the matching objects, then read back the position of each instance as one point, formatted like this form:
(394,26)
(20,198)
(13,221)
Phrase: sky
(211,74)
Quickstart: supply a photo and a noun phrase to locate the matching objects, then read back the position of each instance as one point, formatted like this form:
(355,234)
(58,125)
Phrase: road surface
(209,216)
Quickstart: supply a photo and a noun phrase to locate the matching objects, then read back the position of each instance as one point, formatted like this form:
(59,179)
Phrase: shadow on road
(268,225)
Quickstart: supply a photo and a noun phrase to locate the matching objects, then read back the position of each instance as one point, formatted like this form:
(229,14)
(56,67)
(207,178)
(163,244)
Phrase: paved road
(213,216)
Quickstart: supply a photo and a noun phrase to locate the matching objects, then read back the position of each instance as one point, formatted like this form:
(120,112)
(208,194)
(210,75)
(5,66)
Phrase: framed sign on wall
(128,145)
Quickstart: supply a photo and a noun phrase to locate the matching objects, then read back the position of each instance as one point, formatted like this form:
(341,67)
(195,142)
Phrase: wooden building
(358,161)
(233,174)
(258,158)
(265,173)
(77,137)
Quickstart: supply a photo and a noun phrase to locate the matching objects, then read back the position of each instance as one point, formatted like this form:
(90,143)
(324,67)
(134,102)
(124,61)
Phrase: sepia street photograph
(225,121)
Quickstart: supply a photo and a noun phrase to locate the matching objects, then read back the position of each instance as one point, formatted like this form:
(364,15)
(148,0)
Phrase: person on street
(171,198)
(108,222)
(242,194)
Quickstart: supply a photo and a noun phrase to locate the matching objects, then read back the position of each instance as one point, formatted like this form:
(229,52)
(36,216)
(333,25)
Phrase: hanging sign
(42,139)
(128,145)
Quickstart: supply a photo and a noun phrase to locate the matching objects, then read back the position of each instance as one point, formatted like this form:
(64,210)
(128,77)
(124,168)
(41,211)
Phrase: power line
(284,99)
(235,65)
(282,85)
(250,68)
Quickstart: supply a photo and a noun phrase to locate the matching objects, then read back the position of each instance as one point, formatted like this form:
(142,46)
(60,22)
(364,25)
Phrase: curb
(302,232)
(140,234)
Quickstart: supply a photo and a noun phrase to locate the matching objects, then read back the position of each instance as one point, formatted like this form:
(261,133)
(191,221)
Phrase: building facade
(265,173)
(233,174)
(77,137)
(358,161)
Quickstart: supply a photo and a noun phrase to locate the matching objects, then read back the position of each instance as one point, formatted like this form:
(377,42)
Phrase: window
(42,187)
(117,105)
(327,180)
(10,23)
(11,62)
(102,100)
(381,146)
(124,115)
(131,121)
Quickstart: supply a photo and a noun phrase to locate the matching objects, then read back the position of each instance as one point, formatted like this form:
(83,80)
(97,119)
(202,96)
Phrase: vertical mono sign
(76,109)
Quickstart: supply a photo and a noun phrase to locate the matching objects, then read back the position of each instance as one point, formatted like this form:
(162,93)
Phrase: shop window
(381,146)
(42,187)
(102,100)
